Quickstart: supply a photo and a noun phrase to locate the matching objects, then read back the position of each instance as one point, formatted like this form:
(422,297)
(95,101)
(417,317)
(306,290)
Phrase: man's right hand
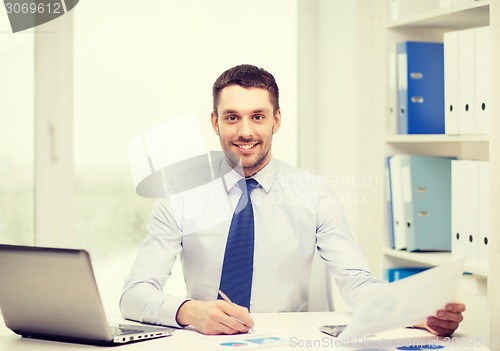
(215,317)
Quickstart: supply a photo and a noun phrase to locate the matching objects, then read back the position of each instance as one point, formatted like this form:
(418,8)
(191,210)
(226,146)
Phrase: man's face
(245,125)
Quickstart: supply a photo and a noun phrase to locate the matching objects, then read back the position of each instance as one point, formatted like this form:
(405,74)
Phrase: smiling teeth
(246,147)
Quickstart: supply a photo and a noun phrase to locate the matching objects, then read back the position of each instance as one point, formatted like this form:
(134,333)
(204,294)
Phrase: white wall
(139,63)
(342,138)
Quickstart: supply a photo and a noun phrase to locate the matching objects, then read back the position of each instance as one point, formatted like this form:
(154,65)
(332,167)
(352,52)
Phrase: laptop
(51,293)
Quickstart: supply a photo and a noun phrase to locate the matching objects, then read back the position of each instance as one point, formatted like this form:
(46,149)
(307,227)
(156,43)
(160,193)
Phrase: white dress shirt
(295,214)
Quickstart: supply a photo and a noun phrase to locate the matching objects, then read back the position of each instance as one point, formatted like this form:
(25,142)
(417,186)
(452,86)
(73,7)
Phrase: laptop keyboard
(121,331)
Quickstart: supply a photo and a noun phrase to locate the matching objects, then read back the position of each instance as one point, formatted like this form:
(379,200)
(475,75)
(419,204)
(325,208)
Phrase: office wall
(340,71)
(140,63)
(137,64)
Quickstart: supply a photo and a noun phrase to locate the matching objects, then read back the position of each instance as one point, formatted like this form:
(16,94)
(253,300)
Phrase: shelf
(479,285)
(475,15)
(473,147)
(430,259)
(436,138)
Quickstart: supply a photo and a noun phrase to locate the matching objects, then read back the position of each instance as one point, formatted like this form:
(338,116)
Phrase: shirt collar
(265,176)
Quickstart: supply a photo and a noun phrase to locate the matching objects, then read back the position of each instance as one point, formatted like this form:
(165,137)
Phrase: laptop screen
(50,291)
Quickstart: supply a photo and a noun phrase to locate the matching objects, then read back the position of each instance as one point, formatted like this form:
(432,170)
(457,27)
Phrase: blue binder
(427,183)
(393,274)
(420,76)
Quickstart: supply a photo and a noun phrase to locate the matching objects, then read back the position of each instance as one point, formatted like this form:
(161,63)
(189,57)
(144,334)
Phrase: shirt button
(251,302)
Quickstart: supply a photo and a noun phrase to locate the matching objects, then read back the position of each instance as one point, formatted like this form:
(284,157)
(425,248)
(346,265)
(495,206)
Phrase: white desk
(300,328)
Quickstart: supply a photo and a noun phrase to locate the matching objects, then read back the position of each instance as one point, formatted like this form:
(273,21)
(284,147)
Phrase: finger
(236,325)
(243,315)
(426,327)
(240,313)
(220,324)
(231,326)
(450,316)
(455,307)
(438,331)
(228,312)
(441,327)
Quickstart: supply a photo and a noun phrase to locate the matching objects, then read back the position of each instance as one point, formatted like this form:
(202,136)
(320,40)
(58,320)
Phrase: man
(293,213)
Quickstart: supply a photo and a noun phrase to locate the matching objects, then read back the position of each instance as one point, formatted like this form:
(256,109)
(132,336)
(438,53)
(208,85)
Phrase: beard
(246,165)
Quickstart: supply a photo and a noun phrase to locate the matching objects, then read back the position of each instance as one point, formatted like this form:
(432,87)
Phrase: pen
(228,300)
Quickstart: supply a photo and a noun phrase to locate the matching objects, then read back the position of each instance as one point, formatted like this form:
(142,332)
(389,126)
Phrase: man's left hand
(447,320)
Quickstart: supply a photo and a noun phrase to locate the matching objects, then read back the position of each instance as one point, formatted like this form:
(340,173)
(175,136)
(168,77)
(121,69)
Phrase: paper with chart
(251,340)
(404,302)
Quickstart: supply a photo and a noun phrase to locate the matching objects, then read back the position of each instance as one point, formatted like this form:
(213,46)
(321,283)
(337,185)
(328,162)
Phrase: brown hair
(246,76)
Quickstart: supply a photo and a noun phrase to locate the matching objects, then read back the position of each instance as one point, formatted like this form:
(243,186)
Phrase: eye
(259,117)
(231,118)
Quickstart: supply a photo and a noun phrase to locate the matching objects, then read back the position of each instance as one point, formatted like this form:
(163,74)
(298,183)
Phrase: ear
(215,122)
(277,121)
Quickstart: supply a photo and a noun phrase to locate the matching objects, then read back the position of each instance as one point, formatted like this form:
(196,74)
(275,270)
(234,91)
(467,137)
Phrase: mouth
(246,147)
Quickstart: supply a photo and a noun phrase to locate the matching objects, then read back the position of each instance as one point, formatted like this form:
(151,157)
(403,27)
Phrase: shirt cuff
(169,310)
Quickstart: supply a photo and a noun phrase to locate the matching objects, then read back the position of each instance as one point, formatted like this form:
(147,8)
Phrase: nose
(246,129)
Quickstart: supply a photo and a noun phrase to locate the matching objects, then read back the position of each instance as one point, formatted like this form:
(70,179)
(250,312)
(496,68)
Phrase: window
(17,123)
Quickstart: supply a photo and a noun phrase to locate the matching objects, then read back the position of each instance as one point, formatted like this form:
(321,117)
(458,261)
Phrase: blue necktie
(237,269)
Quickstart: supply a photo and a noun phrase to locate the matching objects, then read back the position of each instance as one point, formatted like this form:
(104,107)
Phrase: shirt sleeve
(338,249)
(143,298)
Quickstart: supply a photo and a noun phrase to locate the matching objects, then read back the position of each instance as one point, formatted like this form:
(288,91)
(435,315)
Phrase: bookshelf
(428,259)
(474,147)
(473,14)
(436,138)
(431,26)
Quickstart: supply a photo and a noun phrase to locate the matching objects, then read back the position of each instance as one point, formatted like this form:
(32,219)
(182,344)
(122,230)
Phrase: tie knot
(247,185)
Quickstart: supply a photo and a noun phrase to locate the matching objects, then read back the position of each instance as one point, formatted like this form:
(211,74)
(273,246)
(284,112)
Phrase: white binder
(483,215)
(482,80)
(464,205)
(457,237)
(398,210)
(451,83)
(466,81)
(392,100)
(470,201)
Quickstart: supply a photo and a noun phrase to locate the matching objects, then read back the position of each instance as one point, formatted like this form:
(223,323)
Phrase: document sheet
(404,302)
(251,340)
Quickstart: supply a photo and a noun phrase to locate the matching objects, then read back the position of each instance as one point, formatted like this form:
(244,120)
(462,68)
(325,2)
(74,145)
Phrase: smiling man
(245,120)
(262,257)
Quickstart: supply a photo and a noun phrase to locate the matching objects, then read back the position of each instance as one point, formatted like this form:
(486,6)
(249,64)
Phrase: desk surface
(300,328)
